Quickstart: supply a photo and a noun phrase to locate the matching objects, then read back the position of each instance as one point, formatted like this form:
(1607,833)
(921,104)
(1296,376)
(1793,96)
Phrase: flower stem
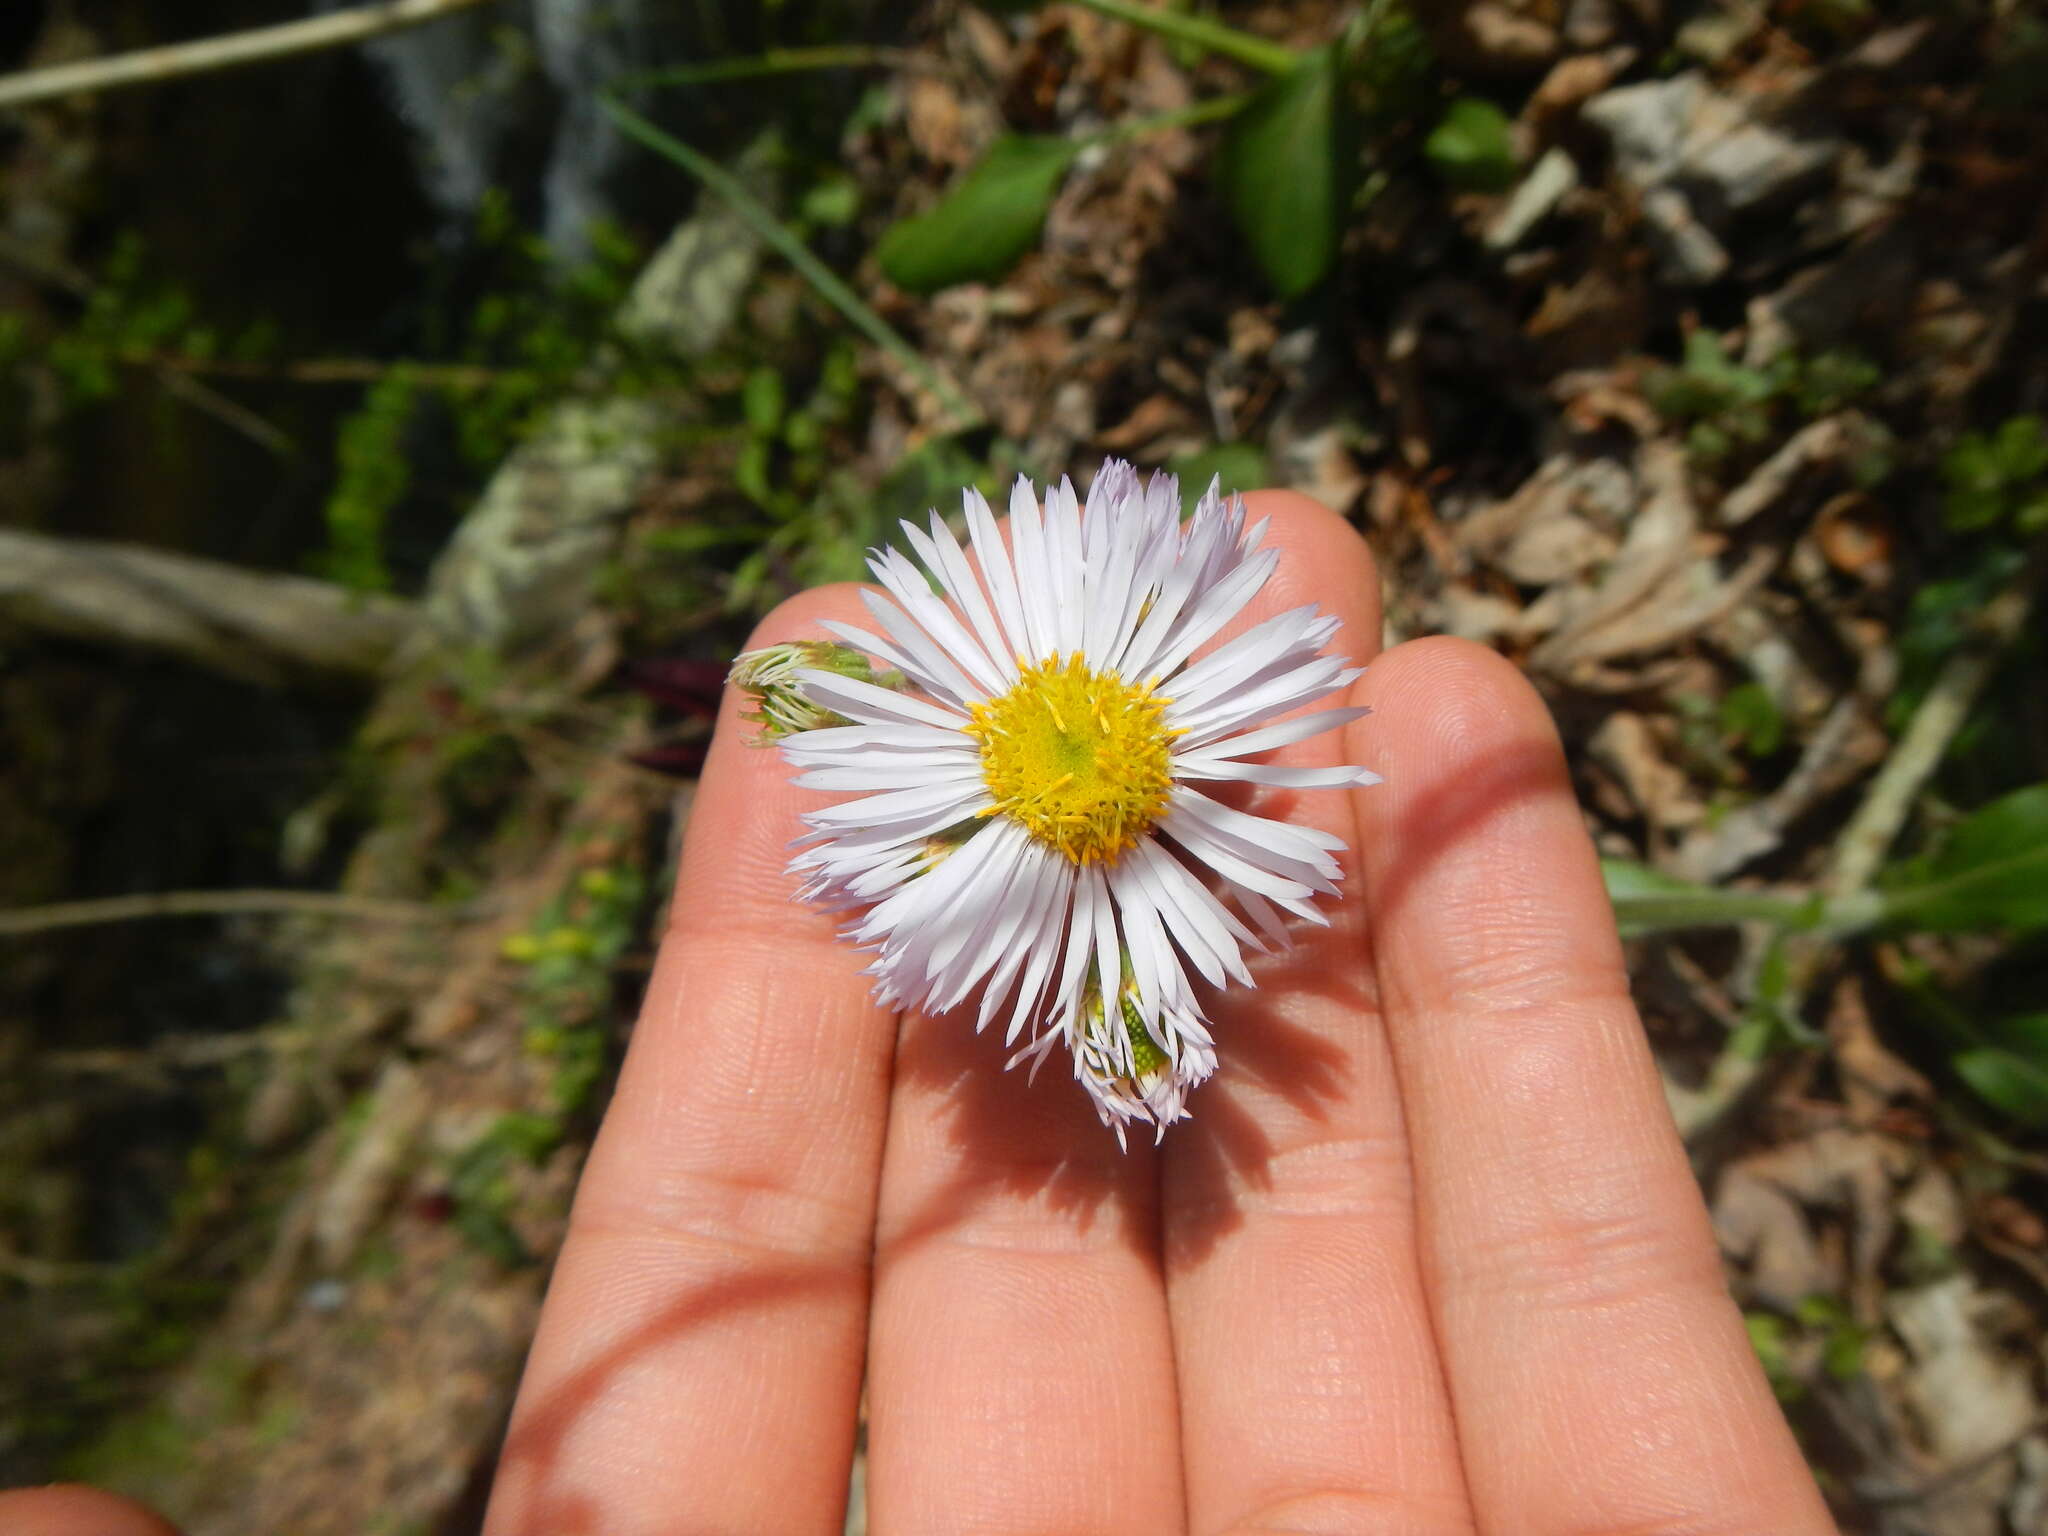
(1192,116)
(1255,52)
(1706,907)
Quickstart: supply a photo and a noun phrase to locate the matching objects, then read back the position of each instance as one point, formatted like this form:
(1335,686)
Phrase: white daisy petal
(943,556)
(947,636)
(927,672)
(891,770)
(1215,608)
(996,568)
(1267,701)
(1200,924)
(1268,839)
(1028,556)
(1193,767)
(1287,732)
(834,742)
(1291,638)
(1067,992)
(958,796)
(1023,832)
(869,705)
(1229,862)
(1042,938)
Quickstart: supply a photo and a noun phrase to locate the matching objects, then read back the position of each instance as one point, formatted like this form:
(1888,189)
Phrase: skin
(1428,1258)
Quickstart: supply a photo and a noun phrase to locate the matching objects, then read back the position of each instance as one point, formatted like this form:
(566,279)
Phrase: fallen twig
(148,66)
(1864,842)
(1891,1495)
(258,626)
(18,921)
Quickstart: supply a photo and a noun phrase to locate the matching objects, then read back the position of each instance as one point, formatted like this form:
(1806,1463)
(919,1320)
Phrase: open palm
(1428,1258)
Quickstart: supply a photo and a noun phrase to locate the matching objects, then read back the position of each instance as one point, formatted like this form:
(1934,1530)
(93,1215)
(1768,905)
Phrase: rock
(1647,125)
(1838,301)
(1975,1397)
(1698,157)
(1691,253)
(1715,145)
(1539,192)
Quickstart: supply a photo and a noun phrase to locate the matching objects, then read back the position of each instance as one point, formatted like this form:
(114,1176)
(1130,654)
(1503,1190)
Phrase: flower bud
(781,707)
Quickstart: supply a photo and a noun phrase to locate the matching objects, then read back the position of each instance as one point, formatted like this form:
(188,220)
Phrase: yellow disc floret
(1080,759)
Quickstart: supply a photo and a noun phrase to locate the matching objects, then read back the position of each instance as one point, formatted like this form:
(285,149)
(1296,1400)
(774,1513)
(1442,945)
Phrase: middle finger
(1312,1397)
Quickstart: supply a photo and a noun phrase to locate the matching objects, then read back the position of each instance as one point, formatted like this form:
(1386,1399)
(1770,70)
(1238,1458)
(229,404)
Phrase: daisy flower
(1031,817)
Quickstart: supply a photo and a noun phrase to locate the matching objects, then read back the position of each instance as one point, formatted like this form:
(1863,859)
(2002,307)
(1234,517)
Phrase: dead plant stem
(149,66)
(20,921)
(1861,849)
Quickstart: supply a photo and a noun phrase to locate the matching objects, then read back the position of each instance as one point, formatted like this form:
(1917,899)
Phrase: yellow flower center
(1080,759)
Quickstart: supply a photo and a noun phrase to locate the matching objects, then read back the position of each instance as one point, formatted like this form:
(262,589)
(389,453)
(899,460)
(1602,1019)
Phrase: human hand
(1428,1257)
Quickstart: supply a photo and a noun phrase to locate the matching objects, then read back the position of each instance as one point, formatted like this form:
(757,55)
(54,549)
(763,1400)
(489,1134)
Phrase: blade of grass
(778,236)
(1214,110)
(775,61)
(1255,52)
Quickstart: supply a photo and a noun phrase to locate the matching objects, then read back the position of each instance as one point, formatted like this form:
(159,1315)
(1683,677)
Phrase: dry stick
(259,626)
(1860,851)
(156,1060)
(149,65)
(28,1270)
(1868,837)
(196,393)
(335,370)
(1961,1472)
(232,414)
(17,921)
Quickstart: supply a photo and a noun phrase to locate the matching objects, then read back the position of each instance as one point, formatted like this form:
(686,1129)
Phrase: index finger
(699,1358)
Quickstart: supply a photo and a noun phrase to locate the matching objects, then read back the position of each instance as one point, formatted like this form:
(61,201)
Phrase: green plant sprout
(1730,405)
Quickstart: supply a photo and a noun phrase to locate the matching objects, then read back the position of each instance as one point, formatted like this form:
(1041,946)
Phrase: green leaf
(834,201)
(762,401)
(979,229)
(2026,1033)
(1992,872)
(1842,1355)
(2006,1080)
(1750,715)
(1238,466)
(1473,148)
(2022,448)
(1286,169)
(1967,509)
